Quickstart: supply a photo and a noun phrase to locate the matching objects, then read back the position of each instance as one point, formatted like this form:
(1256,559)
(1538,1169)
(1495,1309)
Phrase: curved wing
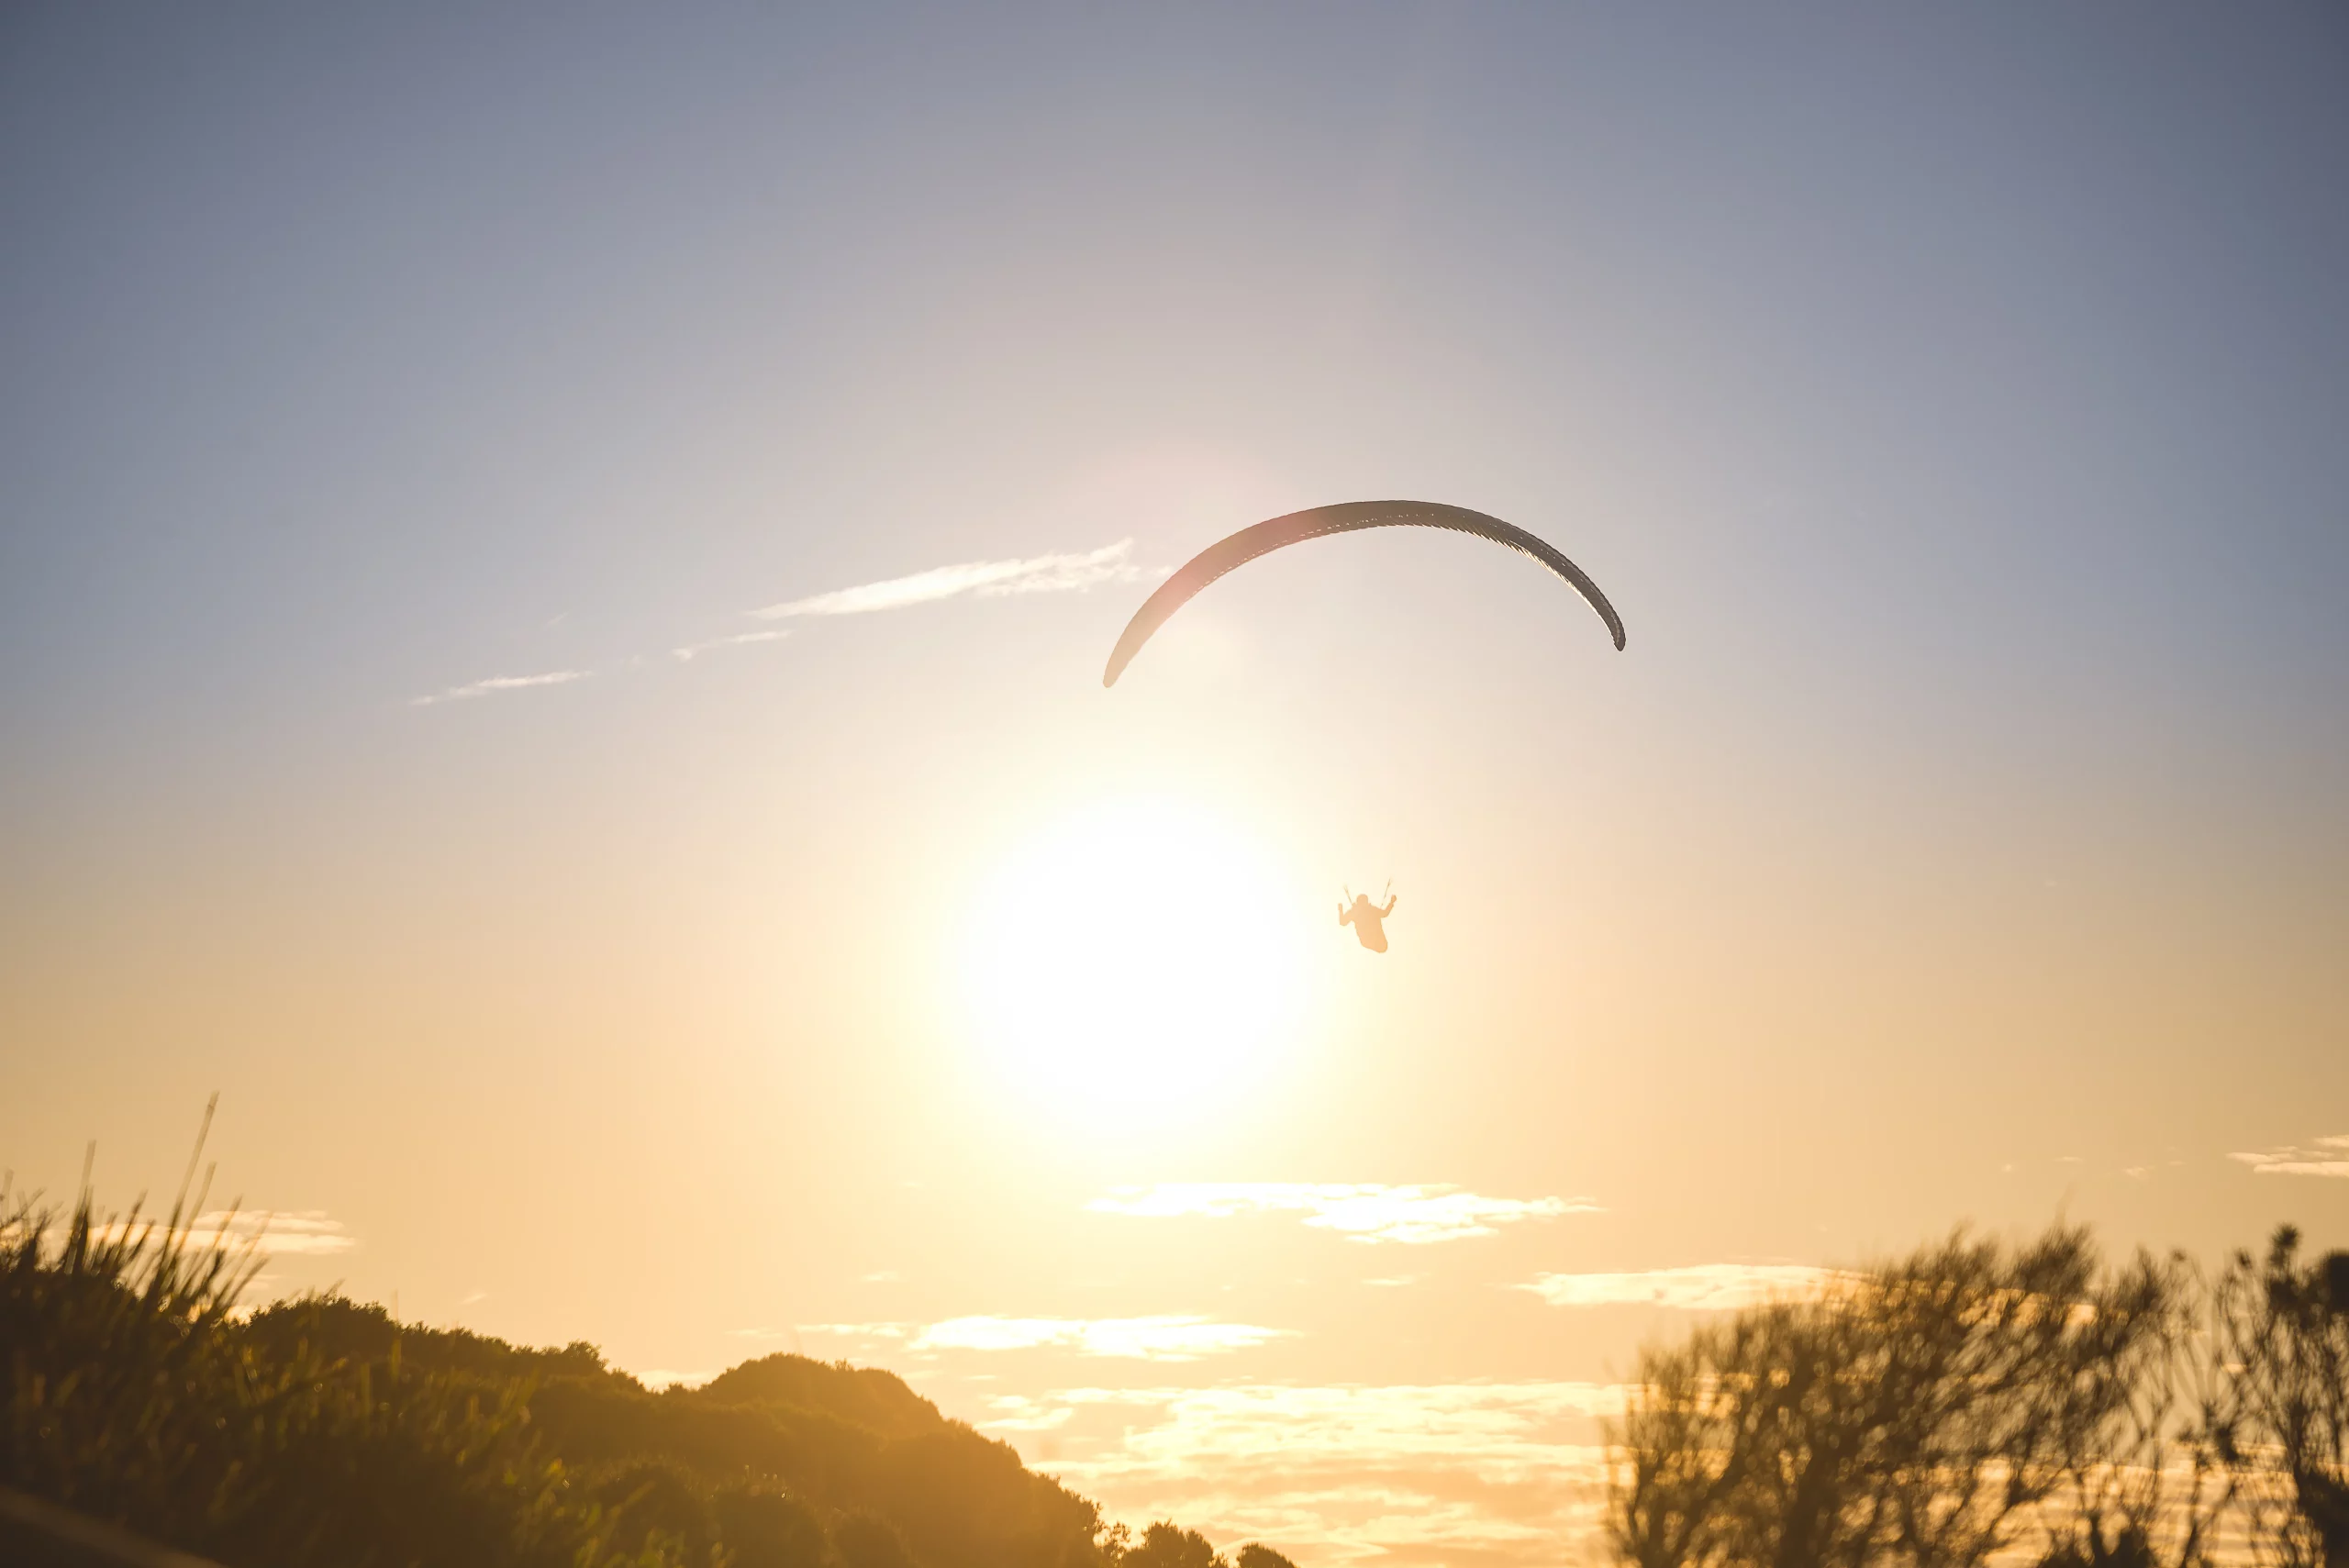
(1344,518)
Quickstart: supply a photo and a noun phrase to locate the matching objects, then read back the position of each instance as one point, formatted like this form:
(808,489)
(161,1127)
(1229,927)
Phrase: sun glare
(1135,960)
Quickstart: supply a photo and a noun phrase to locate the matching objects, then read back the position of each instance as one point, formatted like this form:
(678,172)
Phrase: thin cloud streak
(1365,1212)
(1705,1287)
(1167,1338)
(979,579)
(2329,1158)
(690,650)
(500,684)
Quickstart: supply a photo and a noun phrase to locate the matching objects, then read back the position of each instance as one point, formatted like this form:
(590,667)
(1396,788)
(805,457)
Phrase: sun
(1136,960)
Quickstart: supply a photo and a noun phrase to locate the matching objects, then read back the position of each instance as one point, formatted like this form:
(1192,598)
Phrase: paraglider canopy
(1346,517)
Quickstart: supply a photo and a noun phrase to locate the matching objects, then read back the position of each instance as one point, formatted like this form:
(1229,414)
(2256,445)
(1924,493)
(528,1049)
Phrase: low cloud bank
(2329,1157)
(308,1231)
(1408,1475)
(1705,1287)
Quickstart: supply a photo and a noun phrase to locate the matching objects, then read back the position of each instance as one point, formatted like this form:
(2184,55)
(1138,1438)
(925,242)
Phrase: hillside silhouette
(808,1448)
(321,1432)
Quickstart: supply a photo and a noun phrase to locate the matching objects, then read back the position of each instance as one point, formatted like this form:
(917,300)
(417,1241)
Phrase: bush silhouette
(770,1530)
(1974,1402)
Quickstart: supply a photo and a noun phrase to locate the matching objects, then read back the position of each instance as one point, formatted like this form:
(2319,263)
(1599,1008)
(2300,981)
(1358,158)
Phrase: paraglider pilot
(1368,920)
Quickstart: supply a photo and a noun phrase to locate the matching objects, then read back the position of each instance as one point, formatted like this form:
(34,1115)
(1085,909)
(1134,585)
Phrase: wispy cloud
(982,579)
(2329,1157)
(500,684)
(1486,1472)
(1171,1338)
(979,579)
(692,649)
(1705,1287)
(1412,1216)
(302,1231)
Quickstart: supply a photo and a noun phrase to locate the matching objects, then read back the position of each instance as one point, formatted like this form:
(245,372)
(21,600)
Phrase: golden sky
(552,594)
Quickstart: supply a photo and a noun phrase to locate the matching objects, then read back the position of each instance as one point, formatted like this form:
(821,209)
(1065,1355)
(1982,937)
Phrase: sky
(554,572)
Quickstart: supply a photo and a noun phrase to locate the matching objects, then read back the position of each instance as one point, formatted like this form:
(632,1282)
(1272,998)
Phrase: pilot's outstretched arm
(1389,909)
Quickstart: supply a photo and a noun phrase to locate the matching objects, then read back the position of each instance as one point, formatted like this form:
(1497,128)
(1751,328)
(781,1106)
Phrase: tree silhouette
(1920,1412)
(1974,1402)
(2279,1416)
